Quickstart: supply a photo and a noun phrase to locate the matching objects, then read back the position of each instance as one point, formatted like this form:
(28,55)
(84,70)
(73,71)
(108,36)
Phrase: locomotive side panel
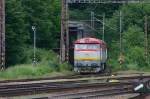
(104,53)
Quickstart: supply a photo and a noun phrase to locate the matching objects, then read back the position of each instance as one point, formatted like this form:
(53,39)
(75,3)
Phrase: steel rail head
(32,88)
(58,85)
(73,79)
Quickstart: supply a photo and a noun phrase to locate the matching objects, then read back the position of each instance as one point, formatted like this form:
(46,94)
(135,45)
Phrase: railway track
(93,93)
(79,78)
(97,85)
(73,76)
(25,89)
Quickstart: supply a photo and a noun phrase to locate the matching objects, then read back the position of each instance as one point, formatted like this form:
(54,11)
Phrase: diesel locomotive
(90,55)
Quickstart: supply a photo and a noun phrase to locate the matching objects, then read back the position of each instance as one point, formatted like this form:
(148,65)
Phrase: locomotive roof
(89,40)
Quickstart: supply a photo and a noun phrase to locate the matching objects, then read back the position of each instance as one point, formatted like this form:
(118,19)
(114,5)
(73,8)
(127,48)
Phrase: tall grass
(47,65)
(115,66)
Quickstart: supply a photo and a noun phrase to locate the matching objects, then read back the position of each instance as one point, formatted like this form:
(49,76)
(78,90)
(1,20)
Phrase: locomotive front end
(89,55)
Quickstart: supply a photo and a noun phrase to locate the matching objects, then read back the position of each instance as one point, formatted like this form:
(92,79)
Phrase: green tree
(45,15)
(16,34)
(135,55)
(21,15)
(134,36)
(133,41)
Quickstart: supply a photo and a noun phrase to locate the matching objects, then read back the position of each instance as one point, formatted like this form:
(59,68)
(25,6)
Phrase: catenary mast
(2,34)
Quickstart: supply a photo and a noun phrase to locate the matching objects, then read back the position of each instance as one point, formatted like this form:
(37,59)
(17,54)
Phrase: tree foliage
(132,30)
(21,15)
(16,33)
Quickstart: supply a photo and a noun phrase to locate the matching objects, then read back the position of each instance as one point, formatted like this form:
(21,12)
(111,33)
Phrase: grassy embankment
(116,67)
(48,65)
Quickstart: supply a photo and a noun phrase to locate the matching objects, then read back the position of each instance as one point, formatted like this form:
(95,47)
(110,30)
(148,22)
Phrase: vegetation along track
(68,85)
(73,76)
(76,76)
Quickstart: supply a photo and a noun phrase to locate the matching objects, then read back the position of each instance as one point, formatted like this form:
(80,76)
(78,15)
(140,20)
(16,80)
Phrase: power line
(106,24)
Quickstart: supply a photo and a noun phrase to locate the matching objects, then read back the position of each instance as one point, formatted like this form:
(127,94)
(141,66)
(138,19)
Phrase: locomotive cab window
(87,46)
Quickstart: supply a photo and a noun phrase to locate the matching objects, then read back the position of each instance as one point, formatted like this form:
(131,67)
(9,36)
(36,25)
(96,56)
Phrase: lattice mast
(146,37)
(2,34)
(64,42)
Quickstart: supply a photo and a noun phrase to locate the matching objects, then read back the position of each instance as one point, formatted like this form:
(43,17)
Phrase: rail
(15,88)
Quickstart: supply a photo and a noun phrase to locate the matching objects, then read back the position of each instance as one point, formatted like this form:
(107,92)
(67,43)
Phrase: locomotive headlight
(79,64)
(94,64)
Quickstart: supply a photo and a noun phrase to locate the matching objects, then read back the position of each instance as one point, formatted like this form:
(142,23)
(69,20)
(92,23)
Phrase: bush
(114,65)
(47,64)
(42,56)
(25,71)
(65,67)
(132,66)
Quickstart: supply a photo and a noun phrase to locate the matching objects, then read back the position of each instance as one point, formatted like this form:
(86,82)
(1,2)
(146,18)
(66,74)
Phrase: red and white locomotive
(90,55)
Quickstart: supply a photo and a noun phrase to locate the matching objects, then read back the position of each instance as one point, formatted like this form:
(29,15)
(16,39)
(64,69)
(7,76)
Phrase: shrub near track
(47,65)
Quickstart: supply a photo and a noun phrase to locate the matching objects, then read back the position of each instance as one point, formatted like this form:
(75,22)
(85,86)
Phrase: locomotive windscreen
(87,46)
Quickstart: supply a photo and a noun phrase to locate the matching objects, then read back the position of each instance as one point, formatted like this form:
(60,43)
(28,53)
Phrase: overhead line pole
(121,32)
(92,19)
(2,34)
(121,57)
(103,27)
(62,43)
(64,40)
(146,37)
(67,32)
